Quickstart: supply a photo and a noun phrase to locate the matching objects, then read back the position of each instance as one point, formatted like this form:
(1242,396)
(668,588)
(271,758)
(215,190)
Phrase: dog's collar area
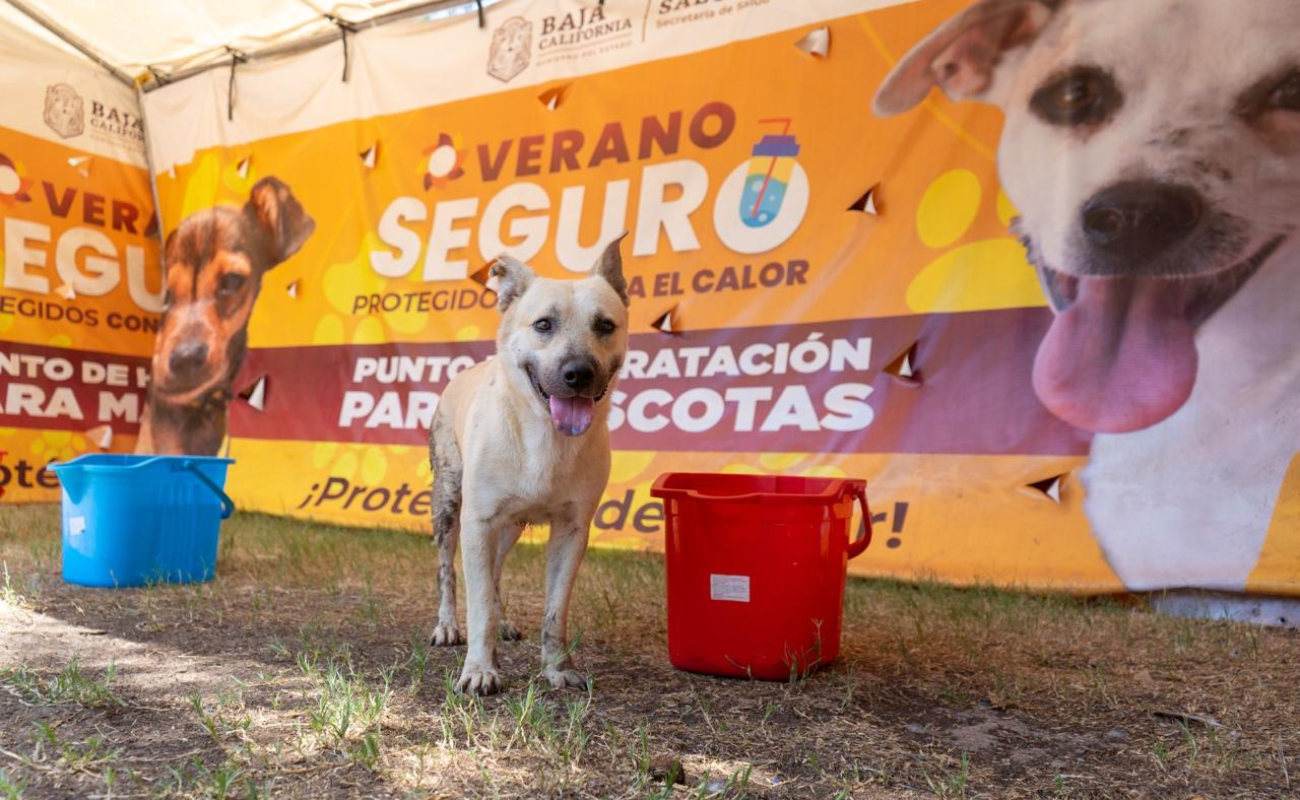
(217,398)
(211,400)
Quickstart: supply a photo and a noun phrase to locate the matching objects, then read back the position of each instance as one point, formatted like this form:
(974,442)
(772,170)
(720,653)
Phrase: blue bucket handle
(227,505)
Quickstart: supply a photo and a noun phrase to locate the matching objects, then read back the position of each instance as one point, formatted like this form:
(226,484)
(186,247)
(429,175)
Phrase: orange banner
(829,266)
(81,296)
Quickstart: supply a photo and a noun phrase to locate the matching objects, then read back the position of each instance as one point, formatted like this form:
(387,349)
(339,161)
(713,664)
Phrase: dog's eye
(1286,97)
(604,327)
(543,325)
(231,282)
(1082,96)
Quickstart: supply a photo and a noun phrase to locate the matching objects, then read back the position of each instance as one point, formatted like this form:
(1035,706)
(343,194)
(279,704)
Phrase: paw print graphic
(58,445)
(364,464)
(968,275)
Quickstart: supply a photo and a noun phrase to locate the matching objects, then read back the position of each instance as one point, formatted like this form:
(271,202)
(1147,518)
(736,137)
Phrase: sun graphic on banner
(13,186)
(444,160)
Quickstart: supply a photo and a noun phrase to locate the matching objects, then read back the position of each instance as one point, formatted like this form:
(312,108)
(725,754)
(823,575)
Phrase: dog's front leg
(479,548)
(564,551)
(509,633)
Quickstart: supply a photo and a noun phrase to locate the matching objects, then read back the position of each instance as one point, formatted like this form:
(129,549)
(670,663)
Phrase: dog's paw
(509,633)
(446,636)
(564,676)
(479,680)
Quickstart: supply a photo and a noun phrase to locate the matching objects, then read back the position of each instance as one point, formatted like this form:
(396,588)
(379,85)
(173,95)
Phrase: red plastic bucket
(756,568)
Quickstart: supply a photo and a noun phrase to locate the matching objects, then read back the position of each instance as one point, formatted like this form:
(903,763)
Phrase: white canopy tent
(152,42)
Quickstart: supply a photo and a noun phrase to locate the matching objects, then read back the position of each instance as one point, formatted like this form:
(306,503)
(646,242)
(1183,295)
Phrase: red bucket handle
(857,546)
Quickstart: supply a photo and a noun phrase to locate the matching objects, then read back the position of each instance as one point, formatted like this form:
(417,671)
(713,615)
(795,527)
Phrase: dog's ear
(284,225)
(961,55)
(513,278)
(610,267)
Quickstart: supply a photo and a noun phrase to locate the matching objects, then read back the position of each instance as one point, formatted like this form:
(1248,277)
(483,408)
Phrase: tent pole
(309,42)
(153,184)
(73,41)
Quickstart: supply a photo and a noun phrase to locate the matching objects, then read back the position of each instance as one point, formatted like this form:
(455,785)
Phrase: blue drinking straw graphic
(770,166)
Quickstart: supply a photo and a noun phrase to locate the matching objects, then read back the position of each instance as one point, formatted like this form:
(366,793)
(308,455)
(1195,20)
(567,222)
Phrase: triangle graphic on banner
(484,277)
(817,43)
(666,322)
(370,156)
(102,436)
(866,203)
(242,167)
(255,394)
(66,292)
(483,274)
(292,289)
(904,367)
(552,97)
(1049,487)
(81,164)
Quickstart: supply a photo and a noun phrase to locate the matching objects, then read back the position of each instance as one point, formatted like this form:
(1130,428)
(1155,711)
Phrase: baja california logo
(65,112)
(511,46)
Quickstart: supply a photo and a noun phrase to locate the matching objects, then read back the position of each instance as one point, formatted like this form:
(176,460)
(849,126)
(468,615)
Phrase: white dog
(1153,151)
(524,438)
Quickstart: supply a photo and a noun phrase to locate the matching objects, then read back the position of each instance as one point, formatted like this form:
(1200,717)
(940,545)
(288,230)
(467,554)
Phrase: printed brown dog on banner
(215,260)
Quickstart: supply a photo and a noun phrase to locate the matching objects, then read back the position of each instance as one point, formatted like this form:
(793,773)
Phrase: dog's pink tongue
(572,415)
(1121,358)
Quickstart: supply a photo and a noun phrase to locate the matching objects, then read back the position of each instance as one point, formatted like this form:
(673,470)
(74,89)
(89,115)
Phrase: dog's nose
(578,375)
(1138,220)
(187,358)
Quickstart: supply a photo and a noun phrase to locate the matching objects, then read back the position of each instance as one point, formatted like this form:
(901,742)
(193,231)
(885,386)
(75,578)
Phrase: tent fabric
(20,32)
(141,37)
(280,96)
(37,69)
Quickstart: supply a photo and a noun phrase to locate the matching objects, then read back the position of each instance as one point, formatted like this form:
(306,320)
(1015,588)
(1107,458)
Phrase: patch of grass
(110,780)
(951,782)
(346,705)
(77,756)
(322,632)
(417,661)
(534,717)
(207,720)
(218,782)
(9,594)
(70,685)
(11,788)
(735,785)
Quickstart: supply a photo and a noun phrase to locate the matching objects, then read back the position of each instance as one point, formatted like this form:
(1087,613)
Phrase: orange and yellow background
(937,248)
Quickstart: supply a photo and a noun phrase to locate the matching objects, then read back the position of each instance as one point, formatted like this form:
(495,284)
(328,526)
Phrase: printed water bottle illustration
(770,164)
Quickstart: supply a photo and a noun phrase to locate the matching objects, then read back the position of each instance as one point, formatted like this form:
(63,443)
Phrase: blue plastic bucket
(132,520)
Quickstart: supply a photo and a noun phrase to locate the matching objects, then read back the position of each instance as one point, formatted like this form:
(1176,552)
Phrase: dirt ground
(303,671)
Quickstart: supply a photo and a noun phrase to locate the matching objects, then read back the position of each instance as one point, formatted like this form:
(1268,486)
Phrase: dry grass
(302,671)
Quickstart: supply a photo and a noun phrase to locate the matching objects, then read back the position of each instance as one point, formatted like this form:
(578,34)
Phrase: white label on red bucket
(729,587)
(77,525)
